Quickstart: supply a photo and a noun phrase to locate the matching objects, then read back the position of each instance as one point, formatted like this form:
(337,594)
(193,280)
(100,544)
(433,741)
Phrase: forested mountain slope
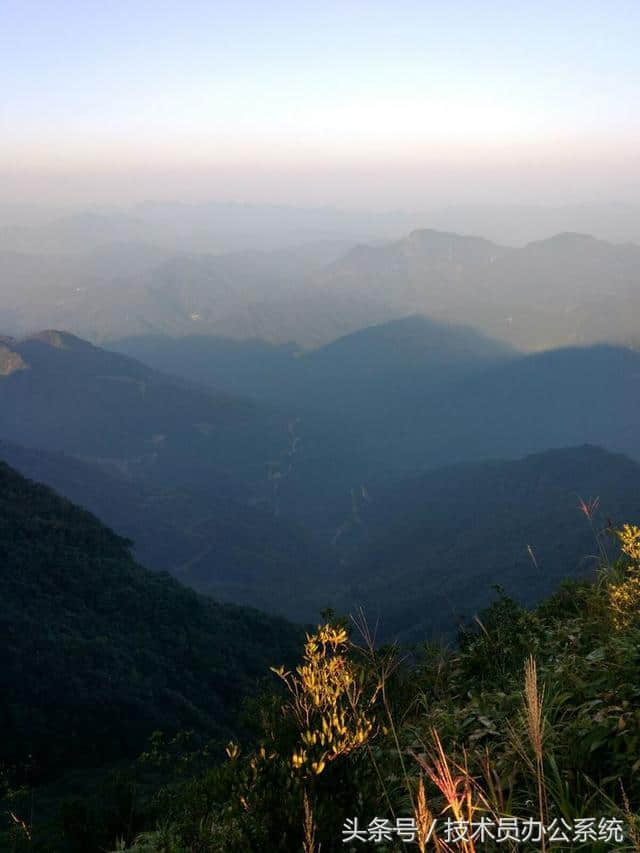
(552,399)
(210,541)
(69,395)
(90,639)
(60,393)
(438,543)
(379,367)
(419,394)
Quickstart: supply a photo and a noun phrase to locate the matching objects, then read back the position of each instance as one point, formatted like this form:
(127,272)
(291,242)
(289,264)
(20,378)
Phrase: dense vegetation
(98,652)
(207,537)
(535,714)
(516,524)
(435,544)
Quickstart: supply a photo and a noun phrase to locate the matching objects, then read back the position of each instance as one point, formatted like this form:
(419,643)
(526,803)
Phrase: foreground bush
(532,718)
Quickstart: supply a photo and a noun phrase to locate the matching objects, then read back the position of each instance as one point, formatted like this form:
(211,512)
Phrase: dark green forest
(98,652)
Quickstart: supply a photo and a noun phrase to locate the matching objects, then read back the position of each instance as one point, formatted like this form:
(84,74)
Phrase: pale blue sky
(332,102)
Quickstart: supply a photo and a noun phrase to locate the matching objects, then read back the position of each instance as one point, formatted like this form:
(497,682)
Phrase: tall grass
(308,826)
(536,725)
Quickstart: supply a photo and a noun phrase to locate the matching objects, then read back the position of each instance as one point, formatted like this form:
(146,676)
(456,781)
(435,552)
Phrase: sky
(382,104)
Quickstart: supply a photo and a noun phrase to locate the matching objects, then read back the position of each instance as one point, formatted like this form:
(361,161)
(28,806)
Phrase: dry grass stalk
(633,825)
(455,785)
(425,821)
(20,824)
(309,826)
(533,706)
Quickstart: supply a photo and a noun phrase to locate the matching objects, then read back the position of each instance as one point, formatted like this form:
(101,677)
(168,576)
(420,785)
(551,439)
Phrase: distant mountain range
(193,228)
(132,288)
(226,227)
(62,394)
(518,224)
(422,394)
(569,289)
(397,398)
(271,503)
(391,363)
(552,399)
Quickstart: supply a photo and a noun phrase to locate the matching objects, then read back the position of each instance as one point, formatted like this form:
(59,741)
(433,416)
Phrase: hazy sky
(384,103)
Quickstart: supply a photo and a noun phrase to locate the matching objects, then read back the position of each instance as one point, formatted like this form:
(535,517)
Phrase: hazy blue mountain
(513,523)
(403,397)
(420,394)
(206,538)
(435,544)
(551,399)
(363,391)
(77,398)
(253,367)
(369,367)
(60,393)
(382,370)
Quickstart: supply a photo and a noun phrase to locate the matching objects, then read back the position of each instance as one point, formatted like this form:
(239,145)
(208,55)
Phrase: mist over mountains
(566,289)
(221,424)
(398,424)
(218,227)
(268,477)
(296,375)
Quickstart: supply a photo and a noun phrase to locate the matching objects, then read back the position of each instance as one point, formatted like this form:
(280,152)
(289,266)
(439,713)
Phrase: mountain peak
(568,240)
(58,340)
